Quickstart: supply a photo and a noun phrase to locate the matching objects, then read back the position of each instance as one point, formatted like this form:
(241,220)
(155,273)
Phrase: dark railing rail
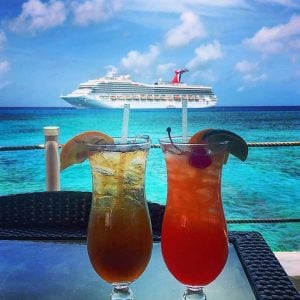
(264,220)
(250,144)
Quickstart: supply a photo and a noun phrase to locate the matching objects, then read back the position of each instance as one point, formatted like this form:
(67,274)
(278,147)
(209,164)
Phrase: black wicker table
(43,256)
(55,267)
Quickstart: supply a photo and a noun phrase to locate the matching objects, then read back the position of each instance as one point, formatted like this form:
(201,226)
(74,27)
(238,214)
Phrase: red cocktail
(194,235)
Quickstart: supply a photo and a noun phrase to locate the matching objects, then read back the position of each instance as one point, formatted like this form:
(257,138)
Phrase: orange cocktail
(194,235)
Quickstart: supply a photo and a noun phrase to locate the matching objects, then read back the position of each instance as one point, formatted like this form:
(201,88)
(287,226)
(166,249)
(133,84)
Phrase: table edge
(266,276)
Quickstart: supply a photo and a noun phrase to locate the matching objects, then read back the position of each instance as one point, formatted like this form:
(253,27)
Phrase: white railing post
(52,158)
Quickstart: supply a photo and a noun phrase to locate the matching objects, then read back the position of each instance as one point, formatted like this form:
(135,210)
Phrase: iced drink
(119,233)
(194,236)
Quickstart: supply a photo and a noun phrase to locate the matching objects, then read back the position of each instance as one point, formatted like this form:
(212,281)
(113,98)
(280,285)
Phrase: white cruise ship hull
(114,92)
(88,102)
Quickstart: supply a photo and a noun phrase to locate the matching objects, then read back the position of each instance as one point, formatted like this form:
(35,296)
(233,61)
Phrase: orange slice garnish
(198,136)
(75,150)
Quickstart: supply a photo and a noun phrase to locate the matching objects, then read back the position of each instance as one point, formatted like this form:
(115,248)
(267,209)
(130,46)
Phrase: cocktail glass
(194,237)
(119,239)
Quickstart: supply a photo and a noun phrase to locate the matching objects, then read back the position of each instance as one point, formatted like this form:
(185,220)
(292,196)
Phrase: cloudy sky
(247,50)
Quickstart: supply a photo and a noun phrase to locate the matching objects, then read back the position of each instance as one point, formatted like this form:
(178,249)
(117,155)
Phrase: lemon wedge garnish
(75,150)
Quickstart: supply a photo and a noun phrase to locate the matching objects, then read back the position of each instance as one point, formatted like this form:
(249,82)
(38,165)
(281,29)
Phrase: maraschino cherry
(199,157)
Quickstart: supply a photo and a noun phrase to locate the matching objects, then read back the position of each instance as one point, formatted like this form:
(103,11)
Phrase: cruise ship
(113,91)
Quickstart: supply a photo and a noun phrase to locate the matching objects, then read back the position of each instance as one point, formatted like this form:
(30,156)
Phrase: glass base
(121,292)
(194,293)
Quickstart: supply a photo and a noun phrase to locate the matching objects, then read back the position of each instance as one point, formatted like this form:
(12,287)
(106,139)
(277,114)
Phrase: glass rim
(133,143)
(167,141)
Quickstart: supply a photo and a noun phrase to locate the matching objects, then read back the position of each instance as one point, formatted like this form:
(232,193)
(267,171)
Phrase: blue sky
(247,50)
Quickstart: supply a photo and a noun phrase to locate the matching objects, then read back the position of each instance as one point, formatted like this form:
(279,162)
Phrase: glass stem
(194,293)
(121,292)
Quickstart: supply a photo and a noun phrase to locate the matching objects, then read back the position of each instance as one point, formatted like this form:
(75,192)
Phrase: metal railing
(251,144)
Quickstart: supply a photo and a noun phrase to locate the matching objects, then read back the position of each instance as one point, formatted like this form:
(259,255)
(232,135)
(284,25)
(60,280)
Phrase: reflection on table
(61,270)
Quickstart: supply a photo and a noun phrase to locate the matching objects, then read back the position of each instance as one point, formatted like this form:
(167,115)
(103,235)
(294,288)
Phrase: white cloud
(190,28)
(4,64)
(37,15)
(136,61)
(2,39)
(93,11)
(245,66)
(164,68)
(276,39)
(111,70)
(240,89)
(251,75)
(165,71)
(4,67)
(206,76)
(253,79)
(205,54)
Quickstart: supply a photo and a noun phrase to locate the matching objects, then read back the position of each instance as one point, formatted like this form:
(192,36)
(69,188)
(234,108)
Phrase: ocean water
(265,186)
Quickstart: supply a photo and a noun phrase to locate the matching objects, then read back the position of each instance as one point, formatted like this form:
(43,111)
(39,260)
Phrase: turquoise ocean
(265,186)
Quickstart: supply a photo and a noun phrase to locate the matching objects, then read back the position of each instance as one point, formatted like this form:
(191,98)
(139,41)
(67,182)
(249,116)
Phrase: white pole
(124,134)
(184,122)
(52,158)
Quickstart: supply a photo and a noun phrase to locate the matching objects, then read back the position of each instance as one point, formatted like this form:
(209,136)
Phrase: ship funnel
(177,77)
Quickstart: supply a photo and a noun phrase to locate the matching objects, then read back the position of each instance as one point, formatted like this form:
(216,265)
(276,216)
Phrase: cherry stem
(169,134)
